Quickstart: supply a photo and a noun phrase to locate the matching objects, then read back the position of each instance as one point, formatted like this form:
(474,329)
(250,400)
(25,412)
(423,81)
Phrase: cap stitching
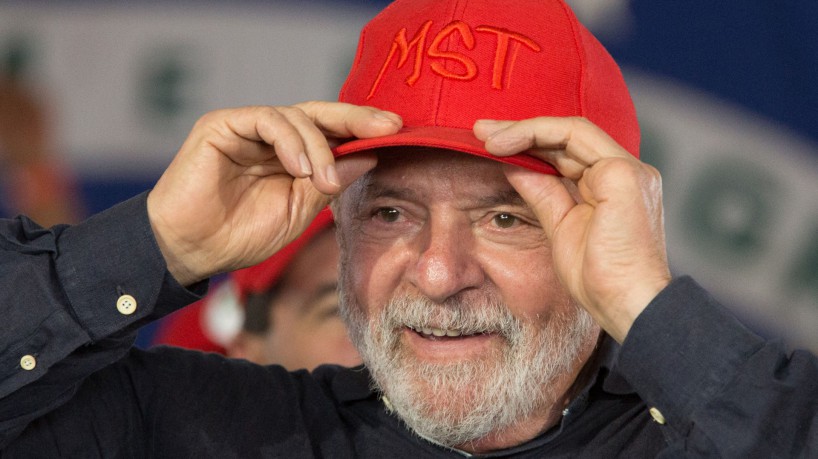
(572,20)
(443,82)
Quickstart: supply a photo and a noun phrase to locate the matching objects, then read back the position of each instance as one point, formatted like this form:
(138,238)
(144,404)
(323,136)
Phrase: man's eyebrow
(508,197)
(377,190)
(498,198)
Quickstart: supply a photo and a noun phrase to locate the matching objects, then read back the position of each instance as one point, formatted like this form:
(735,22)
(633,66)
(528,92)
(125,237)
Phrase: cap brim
(462,140)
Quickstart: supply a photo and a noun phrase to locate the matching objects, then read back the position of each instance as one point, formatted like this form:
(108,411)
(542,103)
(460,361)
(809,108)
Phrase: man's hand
(604,218)
(247,181)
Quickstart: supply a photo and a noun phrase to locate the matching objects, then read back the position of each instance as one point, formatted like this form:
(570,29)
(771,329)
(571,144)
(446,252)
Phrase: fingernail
(305,164)
(486,121)
(332,175)
(388,116)
(492,127)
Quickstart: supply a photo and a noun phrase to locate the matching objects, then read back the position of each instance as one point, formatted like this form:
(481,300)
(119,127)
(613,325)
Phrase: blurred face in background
(296,324)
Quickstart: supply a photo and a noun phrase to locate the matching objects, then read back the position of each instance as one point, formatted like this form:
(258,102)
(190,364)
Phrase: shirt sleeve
(72,299)
(722,390)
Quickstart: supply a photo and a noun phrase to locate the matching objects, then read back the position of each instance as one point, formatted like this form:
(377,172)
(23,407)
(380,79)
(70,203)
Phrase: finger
(305,203)
(317,156)
(247,134)
(506,138)
(351,167)
(569,144)
(546,194)
(341,120)
(308,200)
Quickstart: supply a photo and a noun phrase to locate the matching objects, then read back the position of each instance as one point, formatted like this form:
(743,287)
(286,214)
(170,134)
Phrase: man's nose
(447,262)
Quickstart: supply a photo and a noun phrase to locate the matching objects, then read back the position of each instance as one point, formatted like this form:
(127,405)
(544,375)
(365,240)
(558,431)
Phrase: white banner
(127,82)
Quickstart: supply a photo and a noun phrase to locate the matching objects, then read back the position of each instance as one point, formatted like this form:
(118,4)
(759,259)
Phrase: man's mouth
(445,345)
(433,332)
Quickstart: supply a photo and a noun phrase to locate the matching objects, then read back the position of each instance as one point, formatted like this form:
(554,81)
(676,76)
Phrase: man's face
(450,296)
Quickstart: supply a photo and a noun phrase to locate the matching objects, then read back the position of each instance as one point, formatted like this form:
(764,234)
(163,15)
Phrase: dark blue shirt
(73,386)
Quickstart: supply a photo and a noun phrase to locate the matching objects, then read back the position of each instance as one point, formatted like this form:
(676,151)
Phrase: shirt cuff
(683,349)
(114,274)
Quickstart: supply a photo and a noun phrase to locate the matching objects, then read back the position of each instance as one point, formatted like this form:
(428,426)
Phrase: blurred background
(96,97)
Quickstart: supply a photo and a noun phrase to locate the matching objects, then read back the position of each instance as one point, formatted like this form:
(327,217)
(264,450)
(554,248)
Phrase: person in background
(282,311)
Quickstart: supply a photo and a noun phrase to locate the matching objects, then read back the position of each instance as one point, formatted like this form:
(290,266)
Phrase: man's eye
(504,220)
(388,214)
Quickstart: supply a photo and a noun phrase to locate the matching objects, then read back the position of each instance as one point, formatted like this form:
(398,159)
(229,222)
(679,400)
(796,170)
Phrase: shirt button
(28,362)
(126,304)
(657,415)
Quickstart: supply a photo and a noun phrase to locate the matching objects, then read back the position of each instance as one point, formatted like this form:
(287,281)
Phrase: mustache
(469,317)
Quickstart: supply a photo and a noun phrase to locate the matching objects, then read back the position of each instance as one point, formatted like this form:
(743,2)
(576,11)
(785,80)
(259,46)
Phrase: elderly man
(499,241)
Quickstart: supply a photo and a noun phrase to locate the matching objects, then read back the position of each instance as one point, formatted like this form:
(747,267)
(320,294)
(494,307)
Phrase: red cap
(443,64)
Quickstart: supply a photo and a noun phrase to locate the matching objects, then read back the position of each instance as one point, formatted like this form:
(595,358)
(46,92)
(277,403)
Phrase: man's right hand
(247,181)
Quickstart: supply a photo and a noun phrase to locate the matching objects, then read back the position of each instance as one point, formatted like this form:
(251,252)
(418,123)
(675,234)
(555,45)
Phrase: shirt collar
(353,384)
(612,381)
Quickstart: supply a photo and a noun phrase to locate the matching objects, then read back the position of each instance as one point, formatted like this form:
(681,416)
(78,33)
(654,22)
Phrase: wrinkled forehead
(428,175)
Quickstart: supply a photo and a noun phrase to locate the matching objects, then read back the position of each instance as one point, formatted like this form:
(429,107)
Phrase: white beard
(463,401)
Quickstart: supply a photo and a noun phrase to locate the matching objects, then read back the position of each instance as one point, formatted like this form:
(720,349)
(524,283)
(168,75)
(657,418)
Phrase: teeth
(439,332)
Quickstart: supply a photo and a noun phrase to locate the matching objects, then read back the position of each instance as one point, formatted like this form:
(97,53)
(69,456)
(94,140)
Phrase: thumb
(547,195)
(351,167)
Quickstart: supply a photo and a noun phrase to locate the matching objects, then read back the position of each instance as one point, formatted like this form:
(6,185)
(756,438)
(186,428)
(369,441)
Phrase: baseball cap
(443,64)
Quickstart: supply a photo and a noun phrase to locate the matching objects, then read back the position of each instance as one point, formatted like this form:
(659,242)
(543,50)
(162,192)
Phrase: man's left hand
(604,217)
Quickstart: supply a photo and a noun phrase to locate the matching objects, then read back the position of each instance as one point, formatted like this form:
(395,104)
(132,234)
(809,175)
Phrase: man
(467,283)
(286,308)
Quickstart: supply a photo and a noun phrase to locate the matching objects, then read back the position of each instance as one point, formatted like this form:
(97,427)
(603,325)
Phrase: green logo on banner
(166,87)
(16,56)
(728,213)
